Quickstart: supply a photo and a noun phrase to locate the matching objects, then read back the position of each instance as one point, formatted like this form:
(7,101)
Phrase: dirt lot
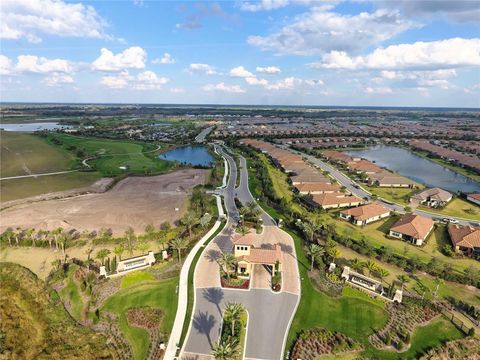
(135,201)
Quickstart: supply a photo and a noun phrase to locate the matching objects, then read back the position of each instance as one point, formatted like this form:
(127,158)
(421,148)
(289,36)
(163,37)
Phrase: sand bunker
(135,202)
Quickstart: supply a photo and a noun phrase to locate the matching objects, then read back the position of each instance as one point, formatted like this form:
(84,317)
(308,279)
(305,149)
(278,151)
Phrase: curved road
(270,313)
(357,190)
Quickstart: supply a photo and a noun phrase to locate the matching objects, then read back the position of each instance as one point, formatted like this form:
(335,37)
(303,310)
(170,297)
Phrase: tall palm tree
(130,238)
(357,264)
(227,261)
(232,312)
(403,279)
(310,229)
(313,251)
(189,221)
(8,234)
(243,230)
(64,241)
(149,231)
(118,251)
(371,266)
(382,273)
(179,244)
(56,234)
(102,254)
(225,350)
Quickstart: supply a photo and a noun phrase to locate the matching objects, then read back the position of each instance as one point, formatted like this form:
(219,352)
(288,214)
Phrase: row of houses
(307,180)
(374,175)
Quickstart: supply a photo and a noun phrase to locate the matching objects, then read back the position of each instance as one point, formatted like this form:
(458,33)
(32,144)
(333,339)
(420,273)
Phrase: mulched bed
(242,284)
(145,317)
(315,342)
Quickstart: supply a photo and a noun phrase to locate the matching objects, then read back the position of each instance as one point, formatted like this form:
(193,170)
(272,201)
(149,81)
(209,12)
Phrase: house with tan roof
(474,198)
(318,188)
(364,166)
(365,214)
(465,239)
(434,197)
(310,177)
(247,255)
(388,179)
(336,200)
(413,228)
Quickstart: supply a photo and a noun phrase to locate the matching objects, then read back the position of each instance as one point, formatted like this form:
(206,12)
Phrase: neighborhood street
(267,331)
(357,190)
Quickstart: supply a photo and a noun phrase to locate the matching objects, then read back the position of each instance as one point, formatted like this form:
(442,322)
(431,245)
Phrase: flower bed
(146,318)
(318,341)
(235,283)
(404,318)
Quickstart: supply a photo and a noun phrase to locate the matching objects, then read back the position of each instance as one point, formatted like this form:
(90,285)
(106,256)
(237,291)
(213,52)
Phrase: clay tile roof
(435,193)
(264,256)
(367,211)
(332,199)
(464,235)
(413,225)
(318,186)
(246,239)
(474,196)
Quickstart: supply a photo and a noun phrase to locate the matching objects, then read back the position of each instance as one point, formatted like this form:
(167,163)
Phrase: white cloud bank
(269,70)
(442,54)
(165,59)
(201,69)
(132,58)
(146,80)
(30,19)
(222,87)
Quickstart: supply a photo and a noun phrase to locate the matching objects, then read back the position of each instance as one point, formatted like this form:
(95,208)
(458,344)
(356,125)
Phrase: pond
(31,127)
(417,168)
(190,155)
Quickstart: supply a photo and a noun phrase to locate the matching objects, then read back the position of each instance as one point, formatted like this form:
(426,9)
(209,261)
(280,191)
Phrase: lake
(31,127)
(417,168)
(191,155)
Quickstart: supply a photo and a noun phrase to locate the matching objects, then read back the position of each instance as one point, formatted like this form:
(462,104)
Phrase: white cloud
(224,88)
(5,65)
(201,69)
(320,31)
(30,19)
(472,89)
(254,81)
(132,58)
(41,65)
(263,5)
(240,71)
(270,70)
(57,79)
(450,53)
(379,90)
(165,59)
(177,90)
(292,83)
(146,80)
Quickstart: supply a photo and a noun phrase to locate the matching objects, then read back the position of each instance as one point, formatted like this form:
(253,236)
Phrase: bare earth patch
(134,201)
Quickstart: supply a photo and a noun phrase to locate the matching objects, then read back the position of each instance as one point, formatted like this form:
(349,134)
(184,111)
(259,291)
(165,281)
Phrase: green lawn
(138,157)
(135,278)
(397,195)
(457,208)
(71,294)
(26,187)
(25,154)
(156,294)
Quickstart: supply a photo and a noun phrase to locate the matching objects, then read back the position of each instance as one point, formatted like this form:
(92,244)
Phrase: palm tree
(64,240)
(130,239)
(227,261)
(8,234)
(56,233)
(357,264)
(309,229)
(225,350)
(313,251)
(102,254)
(179,244)
(243,230)
(382,273)
(143,246)
(118,251)
(149,231)
(371,266)
(403,279)
(233,311)
(30,235)
(189,221)
(205,220)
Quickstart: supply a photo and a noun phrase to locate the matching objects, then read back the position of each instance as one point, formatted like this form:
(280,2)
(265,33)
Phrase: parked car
(451,221)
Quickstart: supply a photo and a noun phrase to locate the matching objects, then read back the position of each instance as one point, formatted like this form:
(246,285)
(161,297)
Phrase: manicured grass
(25,154)
(26,187)
(354,314)
(457,208)
(397,195)
(138,157)
(156,294)
(135,278)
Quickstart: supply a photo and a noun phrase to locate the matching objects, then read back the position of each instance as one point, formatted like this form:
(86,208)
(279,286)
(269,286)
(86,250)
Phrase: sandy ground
(134,201)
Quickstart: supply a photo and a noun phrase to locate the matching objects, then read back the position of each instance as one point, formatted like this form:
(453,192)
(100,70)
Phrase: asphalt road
(203,134)
(269,313)
(356,190)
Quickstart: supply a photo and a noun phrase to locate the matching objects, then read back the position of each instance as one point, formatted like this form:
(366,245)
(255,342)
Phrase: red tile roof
(413,225)
(465,236)
(367,211)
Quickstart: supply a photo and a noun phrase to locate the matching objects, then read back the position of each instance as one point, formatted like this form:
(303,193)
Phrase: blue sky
(398,53)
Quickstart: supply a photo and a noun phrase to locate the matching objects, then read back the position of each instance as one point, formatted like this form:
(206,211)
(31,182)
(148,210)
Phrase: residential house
(412,228)
(336,200)
(388,179)
(434,197)
(313,177)
(465,239)
(365,214)
(474,198)
(318,188)
(364,166)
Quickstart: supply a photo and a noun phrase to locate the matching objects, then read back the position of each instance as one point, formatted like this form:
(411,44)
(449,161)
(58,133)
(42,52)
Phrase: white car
(451,221)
